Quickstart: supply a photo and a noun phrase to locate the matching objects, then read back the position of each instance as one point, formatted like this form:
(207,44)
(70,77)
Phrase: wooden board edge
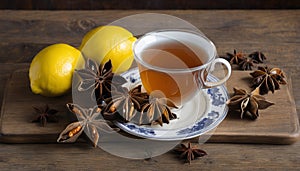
(4,102)
(283,138)
(286,139)
(244,139)
(35,139)
(295,130)
(23,139)
(5,96)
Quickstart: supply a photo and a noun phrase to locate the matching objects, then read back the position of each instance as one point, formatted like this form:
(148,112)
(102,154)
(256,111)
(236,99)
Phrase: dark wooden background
(275,32)
(147,4)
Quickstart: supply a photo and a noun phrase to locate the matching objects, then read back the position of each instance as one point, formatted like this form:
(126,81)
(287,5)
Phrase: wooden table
(276,33)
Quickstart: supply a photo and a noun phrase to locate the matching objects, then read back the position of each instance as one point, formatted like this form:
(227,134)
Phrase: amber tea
(170,54)
(172,62)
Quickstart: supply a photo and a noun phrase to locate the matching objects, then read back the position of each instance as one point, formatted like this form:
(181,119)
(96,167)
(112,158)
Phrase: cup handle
(209,84)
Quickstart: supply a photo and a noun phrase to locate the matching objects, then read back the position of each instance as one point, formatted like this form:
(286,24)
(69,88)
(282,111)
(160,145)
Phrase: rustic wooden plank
(58,26)
(84,157)
(42,28)
(19,52)
(277,53)
(6,71)
(277,125)
(19,100)
(221,156)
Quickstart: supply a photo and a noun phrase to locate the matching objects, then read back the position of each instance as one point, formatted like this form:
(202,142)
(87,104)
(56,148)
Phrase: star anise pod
(189,152)
(100,78)
(134,106)
(158,110)
(246,64)
(247,103)
(267,79)
(44,114)
(90,122)
(125,103)
(258,56)
(234,58)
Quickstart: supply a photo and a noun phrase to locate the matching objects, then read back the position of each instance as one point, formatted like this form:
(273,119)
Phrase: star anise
(189,152)
(258,56)
(234,58)
(89,121)
(158,110)
(247,103)
(99,77)
(44,114)
(246,64)
(267,79)
(134,106)
(125,103)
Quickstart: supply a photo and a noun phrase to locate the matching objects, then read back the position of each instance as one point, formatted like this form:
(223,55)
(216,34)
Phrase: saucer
(198,116)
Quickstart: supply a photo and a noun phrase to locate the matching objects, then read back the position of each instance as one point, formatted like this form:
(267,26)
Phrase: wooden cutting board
(278,124)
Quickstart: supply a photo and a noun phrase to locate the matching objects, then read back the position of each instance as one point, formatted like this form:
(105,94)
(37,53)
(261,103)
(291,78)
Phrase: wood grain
(276,125)
(71,26)
(19,101)
(274,32)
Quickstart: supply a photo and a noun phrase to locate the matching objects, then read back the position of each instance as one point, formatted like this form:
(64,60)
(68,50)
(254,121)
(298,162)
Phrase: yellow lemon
(121,56)
(88,35)
(51,70)
(109,42)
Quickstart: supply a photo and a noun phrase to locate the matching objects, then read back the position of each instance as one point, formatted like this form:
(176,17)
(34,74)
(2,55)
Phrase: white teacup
(176,63)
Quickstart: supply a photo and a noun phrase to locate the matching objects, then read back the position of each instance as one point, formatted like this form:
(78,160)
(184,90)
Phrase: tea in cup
(176,63)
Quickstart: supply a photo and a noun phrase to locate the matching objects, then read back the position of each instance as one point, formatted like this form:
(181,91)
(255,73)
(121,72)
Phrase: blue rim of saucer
(217,113)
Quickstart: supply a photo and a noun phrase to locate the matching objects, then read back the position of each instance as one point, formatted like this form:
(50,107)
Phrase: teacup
(176,63)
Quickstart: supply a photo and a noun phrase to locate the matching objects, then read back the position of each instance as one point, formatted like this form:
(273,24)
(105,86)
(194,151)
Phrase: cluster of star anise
(244,62)
(137,107)
(114,103)
(118,102)
(265,79)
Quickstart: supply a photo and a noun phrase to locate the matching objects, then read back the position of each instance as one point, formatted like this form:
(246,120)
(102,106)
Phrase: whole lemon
(51,70)
(109,42)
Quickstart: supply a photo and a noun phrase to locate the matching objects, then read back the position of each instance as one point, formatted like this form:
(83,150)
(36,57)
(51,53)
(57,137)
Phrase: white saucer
(202,114)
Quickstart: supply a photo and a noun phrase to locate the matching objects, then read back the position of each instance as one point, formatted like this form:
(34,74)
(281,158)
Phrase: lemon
(121,56)
(51,70)
(88,35)
(109,42)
